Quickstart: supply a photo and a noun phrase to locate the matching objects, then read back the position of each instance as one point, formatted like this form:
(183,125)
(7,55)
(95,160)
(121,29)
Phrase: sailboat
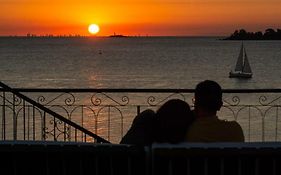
(242,68)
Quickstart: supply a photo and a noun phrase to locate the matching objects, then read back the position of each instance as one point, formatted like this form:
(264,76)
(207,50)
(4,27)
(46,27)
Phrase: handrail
(54,114)
(130,90)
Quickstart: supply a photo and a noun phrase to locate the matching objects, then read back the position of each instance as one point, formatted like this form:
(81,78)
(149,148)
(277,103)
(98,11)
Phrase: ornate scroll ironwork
(151,100)
(97,101)
(263,100)
(67,101)
(55,129)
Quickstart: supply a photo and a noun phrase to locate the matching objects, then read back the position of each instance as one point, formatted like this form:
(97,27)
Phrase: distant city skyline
(138,17)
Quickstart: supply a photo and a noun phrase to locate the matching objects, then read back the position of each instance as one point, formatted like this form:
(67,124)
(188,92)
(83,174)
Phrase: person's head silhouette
(172,121)
(208,96)
(208,127)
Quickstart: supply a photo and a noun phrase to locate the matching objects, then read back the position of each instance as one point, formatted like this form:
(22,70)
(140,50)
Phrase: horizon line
(104,36)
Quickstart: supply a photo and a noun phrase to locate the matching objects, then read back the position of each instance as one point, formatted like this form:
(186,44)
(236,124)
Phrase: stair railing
(29,131)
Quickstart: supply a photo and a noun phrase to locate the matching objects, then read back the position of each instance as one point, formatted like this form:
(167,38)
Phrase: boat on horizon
(242,68)
(117,35)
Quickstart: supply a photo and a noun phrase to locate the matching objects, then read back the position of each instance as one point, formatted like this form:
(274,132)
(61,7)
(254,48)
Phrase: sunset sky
(138,17)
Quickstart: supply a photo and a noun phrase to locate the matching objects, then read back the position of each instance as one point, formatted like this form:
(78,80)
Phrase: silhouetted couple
(174,122)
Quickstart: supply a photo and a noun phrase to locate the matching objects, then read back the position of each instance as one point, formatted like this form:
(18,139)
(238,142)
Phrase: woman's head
(172,120)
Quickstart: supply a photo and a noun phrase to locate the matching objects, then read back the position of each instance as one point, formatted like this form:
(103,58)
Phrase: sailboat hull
(240,75)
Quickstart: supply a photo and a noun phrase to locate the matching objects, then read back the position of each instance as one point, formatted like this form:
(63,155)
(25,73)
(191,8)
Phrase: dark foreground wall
(217,159)
(51,158)
(58,158)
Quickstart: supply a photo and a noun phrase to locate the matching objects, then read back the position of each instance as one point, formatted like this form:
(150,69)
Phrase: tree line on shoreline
(242,34)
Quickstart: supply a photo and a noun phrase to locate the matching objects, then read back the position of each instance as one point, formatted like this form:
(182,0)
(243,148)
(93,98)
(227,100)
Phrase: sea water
(148,62)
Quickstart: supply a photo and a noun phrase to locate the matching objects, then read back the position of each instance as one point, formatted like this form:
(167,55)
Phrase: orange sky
(138,17)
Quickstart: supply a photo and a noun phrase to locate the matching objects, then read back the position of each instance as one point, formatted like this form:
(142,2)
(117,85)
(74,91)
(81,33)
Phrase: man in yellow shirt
(207,127)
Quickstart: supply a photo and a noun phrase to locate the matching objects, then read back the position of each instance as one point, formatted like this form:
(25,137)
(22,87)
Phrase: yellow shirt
(212,129)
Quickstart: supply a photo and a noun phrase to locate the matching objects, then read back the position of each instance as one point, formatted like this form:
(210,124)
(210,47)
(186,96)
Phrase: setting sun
(93,28)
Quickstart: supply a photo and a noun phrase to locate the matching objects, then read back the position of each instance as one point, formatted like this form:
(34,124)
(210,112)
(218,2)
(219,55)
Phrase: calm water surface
(157,62)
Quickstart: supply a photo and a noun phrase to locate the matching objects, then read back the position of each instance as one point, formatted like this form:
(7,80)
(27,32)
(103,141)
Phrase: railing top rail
(47,110)
(131,90)
(221,145)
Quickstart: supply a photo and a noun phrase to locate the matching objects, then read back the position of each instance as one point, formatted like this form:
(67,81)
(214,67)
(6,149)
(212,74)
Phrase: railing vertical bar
(138,110)
(129,166)
(111,165)
(43,134)
(82,121)
(28,121)
(222,166)
(96,125)
(257,166)
(4,117)
(122,124)
(249,127)
(75,133)
(149,160)
(33,121)
(85,137)
(47,164)
(69,133)
(68,129)
(14,118)
(96,164)
(108,124)
(14,164)
(263,128)
(55,123)
(64,167)
(276,125)
(1,115)
(81,165)
(239,166)
(205,166)
(23,119)
(274,166)
(64,131)
(170,167)
(188,166)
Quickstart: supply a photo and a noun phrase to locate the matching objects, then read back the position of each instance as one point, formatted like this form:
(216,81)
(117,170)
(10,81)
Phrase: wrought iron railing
(25,119)
(109,112)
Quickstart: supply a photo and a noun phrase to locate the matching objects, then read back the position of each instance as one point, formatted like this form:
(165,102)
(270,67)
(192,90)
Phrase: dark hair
(172,121)
(208,95)
(141,131)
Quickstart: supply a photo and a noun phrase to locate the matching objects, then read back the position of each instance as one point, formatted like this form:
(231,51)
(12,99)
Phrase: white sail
(242,68)
(239,63)
(246,67)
